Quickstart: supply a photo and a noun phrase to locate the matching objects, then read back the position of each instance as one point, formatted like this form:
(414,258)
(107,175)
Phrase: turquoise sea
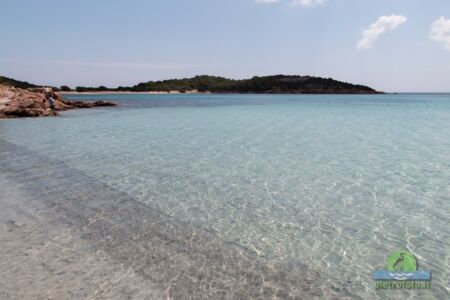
(286,196)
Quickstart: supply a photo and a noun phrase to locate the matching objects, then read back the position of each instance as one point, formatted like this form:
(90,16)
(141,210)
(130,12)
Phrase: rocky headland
(17,102)
(276,84)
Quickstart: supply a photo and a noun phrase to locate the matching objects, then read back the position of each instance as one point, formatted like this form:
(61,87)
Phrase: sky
(390,45)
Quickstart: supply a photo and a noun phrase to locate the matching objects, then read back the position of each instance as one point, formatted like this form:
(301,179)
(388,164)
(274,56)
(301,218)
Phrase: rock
(16,103)
(81,104)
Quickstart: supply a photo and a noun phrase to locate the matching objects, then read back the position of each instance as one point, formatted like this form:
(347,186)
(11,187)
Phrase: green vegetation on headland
(278,84)
(16,83)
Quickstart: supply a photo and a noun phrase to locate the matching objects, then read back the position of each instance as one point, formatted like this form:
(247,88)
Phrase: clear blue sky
(118,42)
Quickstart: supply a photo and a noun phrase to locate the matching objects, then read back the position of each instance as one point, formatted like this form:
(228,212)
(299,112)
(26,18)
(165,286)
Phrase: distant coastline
(207,93)
(275,84)
(23,99)
(131,93)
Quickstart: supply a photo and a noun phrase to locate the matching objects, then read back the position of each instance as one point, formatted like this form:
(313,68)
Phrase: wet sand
(65,235)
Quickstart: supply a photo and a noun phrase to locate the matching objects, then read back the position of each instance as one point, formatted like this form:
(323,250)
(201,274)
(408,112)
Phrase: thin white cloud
(440,32)
(382,25)
(308,3)
(305,3)
(267,1)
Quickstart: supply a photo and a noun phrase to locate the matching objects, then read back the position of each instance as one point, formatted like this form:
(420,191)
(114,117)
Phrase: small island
(23,99)
(277,84)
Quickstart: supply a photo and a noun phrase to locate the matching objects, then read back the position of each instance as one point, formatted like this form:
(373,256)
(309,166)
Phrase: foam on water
(334,183)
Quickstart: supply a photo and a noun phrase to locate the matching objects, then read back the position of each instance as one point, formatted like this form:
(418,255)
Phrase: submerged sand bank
(65,235)
(40,259)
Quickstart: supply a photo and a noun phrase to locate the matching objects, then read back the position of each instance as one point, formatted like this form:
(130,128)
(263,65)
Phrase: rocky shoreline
(19,103)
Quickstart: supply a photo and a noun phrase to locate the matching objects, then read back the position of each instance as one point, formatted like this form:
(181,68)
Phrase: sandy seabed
(64,235)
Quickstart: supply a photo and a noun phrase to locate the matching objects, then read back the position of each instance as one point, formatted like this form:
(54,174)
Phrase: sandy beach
(132,93)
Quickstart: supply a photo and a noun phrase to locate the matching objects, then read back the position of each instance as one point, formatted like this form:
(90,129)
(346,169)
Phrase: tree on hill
(65,88)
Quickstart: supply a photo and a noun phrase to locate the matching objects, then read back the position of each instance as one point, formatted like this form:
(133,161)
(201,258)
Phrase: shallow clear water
(333,182)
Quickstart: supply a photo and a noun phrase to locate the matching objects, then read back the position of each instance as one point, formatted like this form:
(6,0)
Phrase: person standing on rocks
(49,97)
(51,102)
